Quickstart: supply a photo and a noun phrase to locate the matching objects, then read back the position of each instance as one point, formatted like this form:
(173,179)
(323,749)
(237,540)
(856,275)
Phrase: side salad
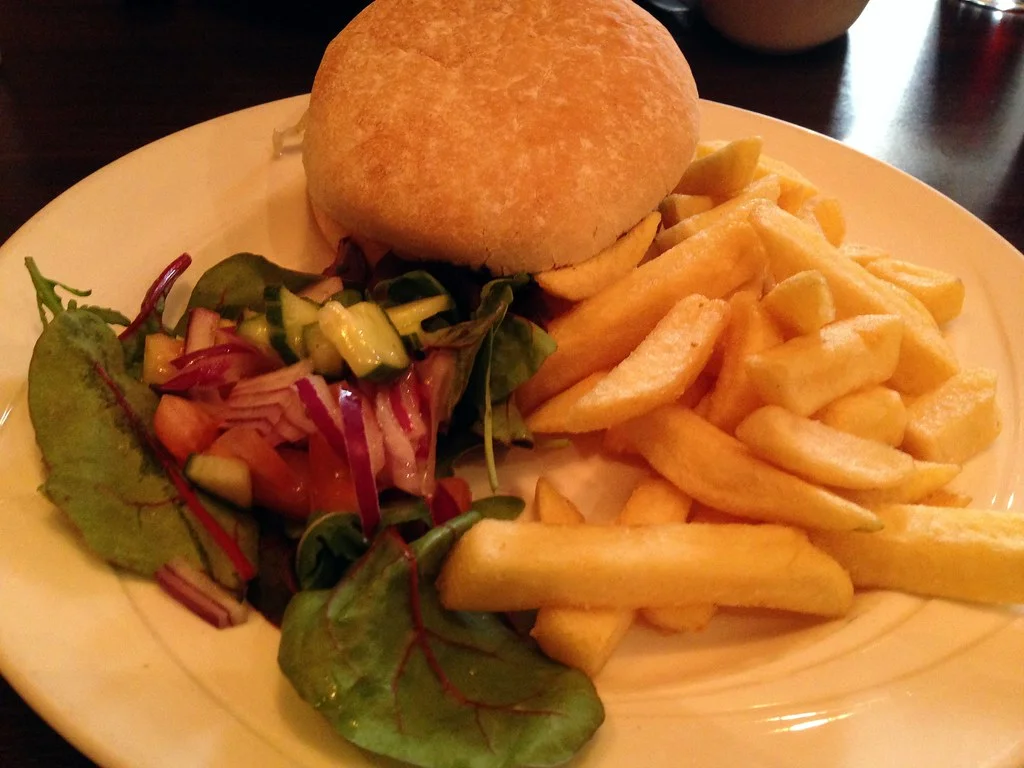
(290,443)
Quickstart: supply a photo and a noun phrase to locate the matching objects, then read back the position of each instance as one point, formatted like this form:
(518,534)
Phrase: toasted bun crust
(521,135)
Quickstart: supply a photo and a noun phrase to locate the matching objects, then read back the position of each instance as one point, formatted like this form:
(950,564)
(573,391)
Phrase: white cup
(782,26)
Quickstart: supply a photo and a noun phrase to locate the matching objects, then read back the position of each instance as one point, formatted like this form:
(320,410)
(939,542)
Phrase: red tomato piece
(183,427)
(330,479)
(459,490)
(276,483)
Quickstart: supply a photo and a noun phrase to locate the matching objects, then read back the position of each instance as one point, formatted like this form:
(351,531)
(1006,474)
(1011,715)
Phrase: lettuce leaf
(110,486)
(398,675)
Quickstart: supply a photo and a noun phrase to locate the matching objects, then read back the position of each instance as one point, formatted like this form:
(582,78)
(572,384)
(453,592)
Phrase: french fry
(825,213)
(583,280)
(863,253)
(796,188)
(802,303)
(716,469)
(875,413)
(674,208)
(925,359)
(956,421)
(765,189)
(940,292)
(583,638)
(962,554)
(946,498)
(820,454)
(807,372)
(655,502)
(750,330)
(926,478)
(552,507)
(659,370)
(506,566)
(600,331)
(552,415)
(616,442)
(724,172)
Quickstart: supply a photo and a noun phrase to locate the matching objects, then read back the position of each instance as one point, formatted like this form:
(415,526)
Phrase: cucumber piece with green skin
(365,338)
(348,297)
(223,476)
(287,315)
(407,318)
(257,330)
(327,361)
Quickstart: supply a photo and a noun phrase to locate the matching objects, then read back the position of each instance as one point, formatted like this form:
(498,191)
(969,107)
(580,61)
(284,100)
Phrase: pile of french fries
(800,412)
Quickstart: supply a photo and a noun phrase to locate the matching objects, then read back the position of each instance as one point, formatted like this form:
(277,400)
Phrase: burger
(518,135)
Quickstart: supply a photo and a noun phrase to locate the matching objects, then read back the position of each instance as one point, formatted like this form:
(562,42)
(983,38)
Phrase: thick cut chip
(808,372)
(580,281)
(552,507)
(674,208)
(821,454)
(750,330)
(659,370)
(655,501)
(947,498)
(582,638)
(796,188)
(926,478)
(940,292)
(760,192)
(962,554)
(508,566)
(724,172)
(552,416)
(875,413)
(600,331)
(802,303)
(716,469)
(955,421)
(826,213)
(925,359)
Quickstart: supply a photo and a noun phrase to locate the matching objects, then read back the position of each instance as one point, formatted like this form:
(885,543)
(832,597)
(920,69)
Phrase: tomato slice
(183,427)
(330,480)
(279,479)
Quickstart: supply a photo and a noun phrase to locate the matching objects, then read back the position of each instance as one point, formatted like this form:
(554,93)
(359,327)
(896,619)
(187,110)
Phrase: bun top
(521,135)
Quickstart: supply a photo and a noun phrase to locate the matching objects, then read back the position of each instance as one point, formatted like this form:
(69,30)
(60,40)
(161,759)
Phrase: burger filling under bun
(520,135)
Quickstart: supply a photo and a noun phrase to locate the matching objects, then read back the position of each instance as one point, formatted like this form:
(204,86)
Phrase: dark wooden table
(934,87)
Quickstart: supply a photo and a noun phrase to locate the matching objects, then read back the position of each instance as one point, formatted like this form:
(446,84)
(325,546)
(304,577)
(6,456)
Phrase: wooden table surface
(934,87)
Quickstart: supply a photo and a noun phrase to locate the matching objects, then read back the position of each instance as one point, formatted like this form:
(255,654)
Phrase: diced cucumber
(223,476)
(408,317)
(256,329)
(327,361)
(365,338)
(348,297)
(287,315)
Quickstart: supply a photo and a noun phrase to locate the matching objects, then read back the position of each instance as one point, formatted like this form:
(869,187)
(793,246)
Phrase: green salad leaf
(238,283)
(397,674)
(97,471)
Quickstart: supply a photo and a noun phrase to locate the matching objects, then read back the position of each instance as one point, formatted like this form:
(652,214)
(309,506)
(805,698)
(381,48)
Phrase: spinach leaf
(329,545)
(98,473)
(398,675)
(498,507)
(519,349)
(238,282)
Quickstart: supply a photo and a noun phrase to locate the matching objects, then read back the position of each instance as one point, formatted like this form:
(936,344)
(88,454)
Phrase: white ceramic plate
(133,680)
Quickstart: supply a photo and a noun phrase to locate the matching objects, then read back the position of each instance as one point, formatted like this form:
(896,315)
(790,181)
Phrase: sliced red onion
(202,329)
(436,374)
(357,448)
(374,436)
(234,346)
(277,414)
(398,448)
(275,380)
(322,291)
(201,594)
(220,368)
(322,408)
(408,408)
